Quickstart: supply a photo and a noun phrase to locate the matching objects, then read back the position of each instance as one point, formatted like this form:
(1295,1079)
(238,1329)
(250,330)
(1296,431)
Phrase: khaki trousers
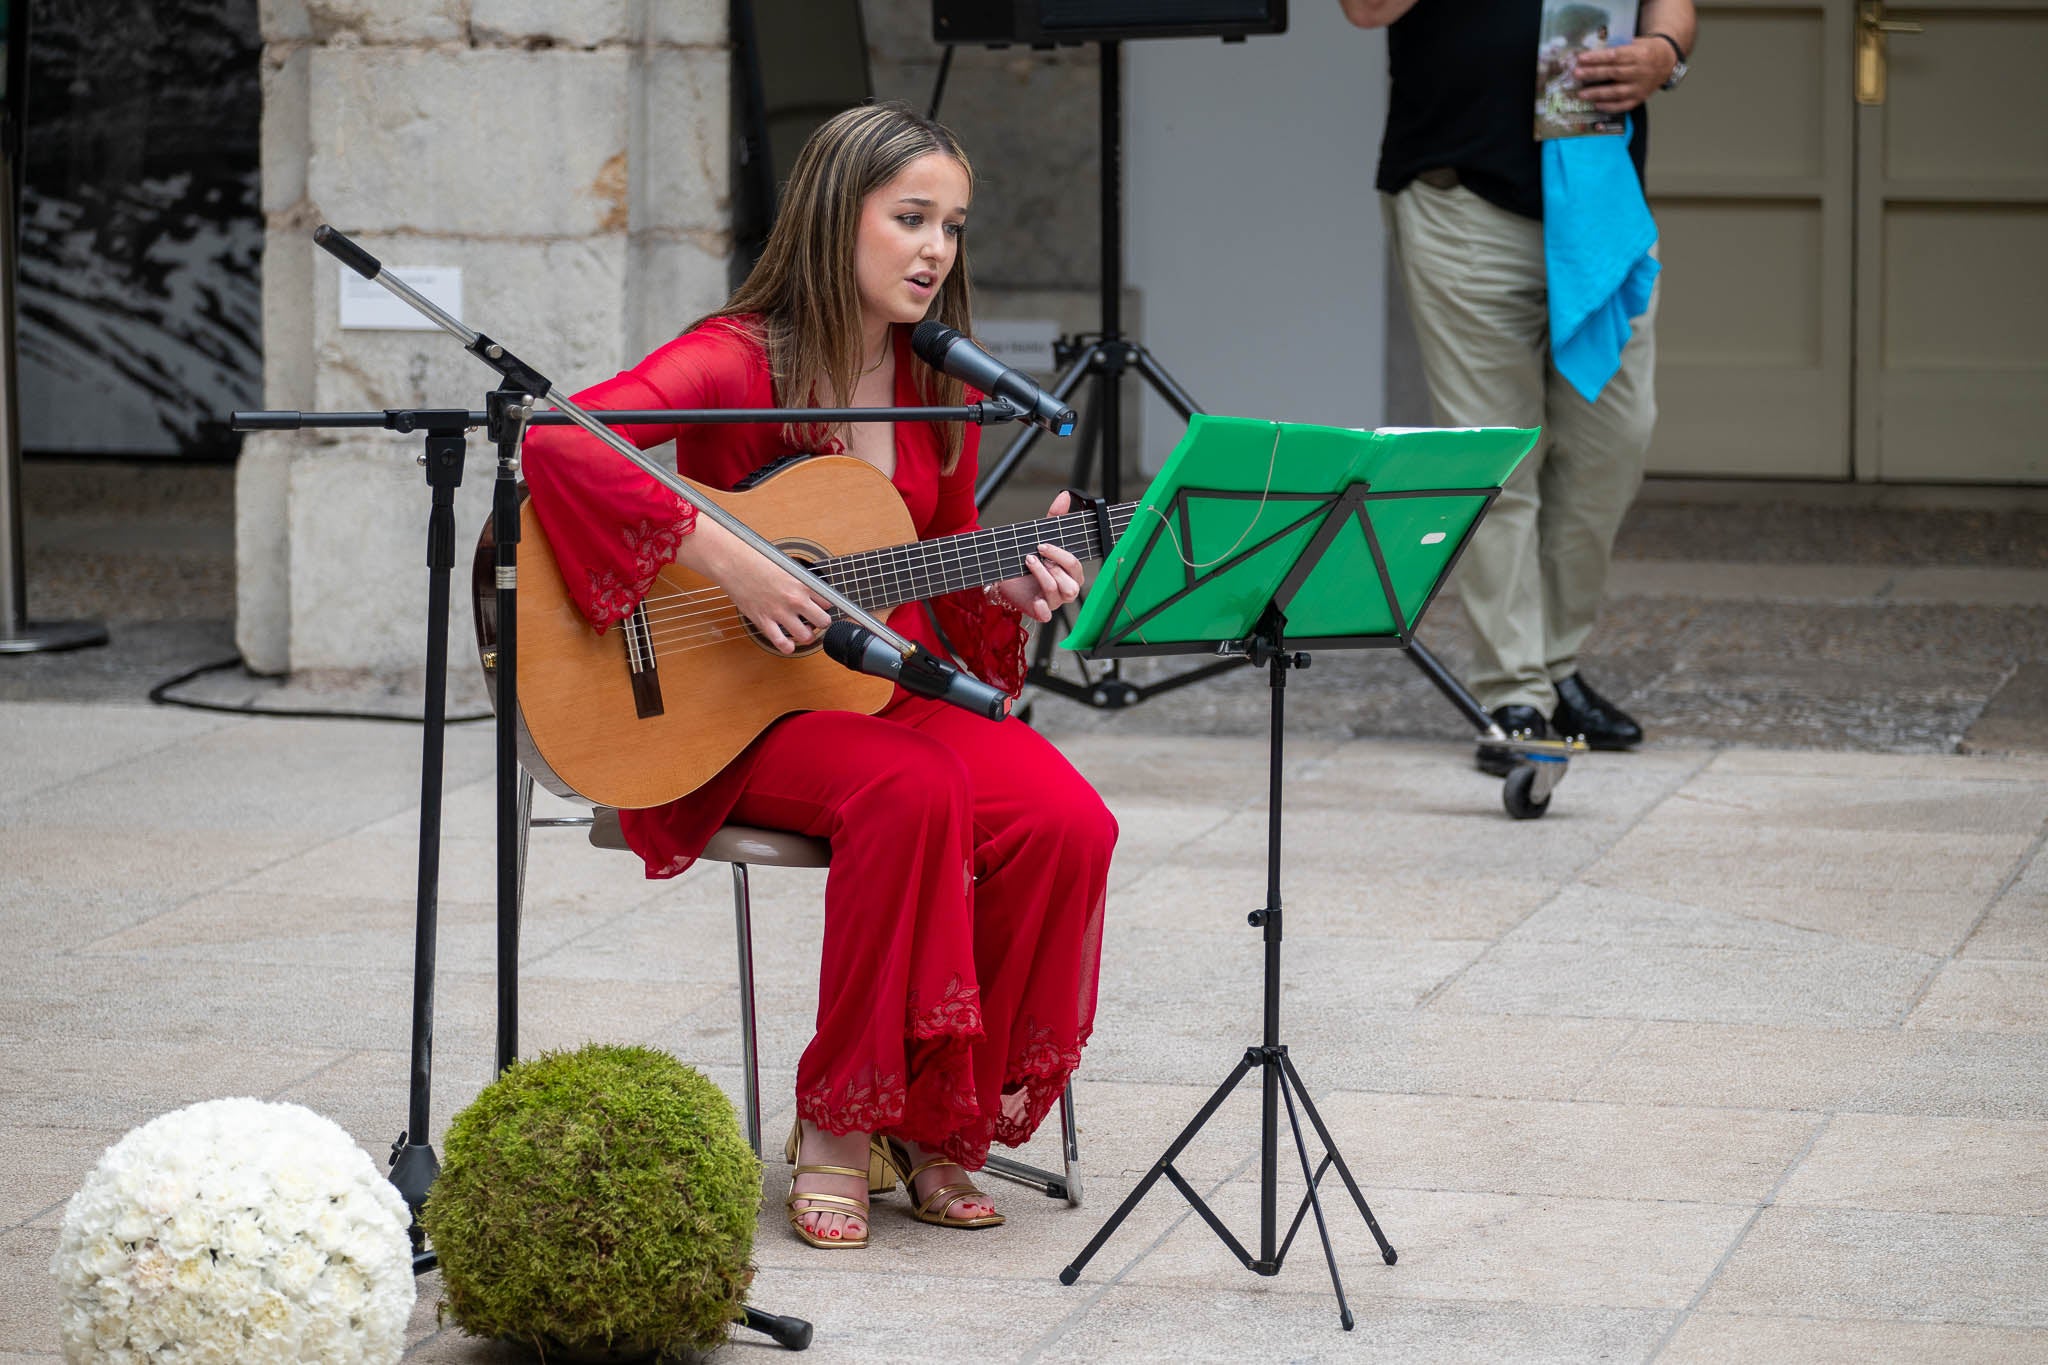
(1531,578)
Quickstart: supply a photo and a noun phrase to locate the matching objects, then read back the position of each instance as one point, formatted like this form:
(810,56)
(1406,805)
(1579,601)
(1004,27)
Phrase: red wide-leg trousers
(963,918)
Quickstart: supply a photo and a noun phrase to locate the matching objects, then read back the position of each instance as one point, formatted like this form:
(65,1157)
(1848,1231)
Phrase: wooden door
(1856,278)
(1752,179)
(1952,242)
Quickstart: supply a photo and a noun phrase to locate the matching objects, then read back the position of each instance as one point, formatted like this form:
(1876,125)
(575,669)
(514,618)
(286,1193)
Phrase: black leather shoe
(1584,712)
(1523,721)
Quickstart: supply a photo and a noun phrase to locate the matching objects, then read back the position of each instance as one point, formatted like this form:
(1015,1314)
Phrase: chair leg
(750,1061)
(1067,1184)
(1070,1145)
(524,813)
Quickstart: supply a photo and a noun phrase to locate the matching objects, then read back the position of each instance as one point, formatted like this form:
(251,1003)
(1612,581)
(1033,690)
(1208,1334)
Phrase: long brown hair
(804,291)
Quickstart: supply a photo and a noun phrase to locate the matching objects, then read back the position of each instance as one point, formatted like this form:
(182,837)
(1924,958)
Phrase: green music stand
(1255,539)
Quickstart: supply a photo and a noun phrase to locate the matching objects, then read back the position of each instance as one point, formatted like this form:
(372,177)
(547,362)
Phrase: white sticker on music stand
(1020,343)
(368,306)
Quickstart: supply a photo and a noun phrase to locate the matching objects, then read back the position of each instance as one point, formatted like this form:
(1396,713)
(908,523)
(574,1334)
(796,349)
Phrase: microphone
(863,651)
(945,350)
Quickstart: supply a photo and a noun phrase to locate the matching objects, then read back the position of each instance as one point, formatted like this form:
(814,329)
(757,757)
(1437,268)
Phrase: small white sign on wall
(1020,343)
(368,306)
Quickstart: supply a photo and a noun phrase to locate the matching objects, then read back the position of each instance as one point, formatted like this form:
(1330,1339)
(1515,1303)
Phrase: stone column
(572,160)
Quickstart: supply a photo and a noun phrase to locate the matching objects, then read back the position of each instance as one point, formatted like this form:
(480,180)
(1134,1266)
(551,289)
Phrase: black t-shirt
(1464,97)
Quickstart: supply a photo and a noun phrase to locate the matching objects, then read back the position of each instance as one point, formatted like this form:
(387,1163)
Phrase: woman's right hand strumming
(784,611)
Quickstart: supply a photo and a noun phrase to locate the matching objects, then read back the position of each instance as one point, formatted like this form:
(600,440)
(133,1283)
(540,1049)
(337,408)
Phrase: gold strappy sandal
(932,1208)
(792,1152)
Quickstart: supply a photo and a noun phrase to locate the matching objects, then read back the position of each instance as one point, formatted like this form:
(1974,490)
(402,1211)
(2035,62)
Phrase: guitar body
(584,729)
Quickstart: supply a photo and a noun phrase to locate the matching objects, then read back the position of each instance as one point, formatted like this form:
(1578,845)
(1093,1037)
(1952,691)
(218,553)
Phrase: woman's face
(909,238)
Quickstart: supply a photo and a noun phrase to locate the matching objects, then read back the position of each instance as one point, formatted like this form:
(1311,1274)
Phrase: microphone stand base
(47,637)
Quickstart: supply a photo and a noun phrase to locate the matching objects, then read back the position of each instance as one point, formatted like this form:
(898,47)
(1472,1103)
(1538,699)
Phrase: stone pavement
(1737,1054)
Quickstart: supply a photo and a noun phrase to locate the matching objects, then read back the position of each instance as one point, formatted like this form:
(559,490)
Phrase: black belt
(1439,177)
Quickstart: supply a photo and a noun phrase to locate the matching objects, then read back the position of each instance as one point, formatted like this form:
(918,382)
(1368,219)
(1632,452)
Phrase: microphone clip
(995,408)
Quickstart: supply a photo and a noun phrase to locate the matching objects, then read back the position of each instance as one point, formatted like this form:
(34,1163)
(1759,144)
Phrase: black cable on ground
(160,696)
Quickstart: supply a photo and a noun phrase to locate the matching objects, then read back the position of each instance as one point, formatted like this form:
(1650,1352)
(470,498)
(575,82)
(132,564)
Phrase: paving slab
(1880,1070)
(1553,1250)
(2016,770)
(90,1085)
(28,1292)
(2016,926)
(1857,1263)
(1985,996)
(1738,1338)
(42,1166)
(2016,716)
(49,743)
(1916,1164)
(1574,1149)
(1326,898)
(1236,1325)
(1832,985)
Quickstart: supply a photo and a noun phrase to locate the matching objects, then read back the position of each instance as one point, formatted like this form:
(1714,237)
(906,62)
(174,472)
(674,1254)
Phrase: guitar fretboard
(928,568)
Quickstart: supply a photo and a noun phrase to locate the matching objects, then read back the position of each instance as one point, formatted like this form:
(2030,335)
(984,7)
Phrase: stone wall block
(289,262)
(560,306)
(399,140)
(358,528)
(682,156)
(285,129)
(673,284)
(283,21)
(687,23)
(585,23)
(263,550)
(389,21)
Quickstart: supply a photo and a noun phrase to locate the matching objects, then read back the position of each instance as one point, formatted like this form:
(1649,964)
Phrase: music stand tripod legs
(1279,1080)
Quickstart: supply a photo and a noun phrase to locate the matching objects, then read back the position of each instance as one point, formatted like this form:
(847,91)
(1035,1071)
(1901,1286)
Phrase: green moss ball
(601,1199)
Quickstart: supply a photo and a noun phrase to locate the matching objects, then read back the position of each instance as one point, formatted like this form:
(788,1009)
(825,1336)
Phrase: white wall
(1252,227)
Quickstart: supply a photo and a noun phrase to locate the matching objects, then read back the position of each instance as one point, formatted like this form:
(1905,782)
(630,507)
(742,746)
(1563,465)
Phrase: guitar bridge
(640,665)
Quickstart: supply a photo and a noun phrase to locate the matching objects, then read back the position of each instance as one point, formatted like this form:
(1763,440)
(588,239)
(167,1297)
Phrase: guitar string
(853,570)
(697,604)
(724,624)
(684,610)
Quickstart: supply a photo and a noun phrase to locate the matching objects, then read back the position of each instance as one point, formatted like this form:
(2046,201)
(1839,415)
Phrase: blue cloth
(1597,235)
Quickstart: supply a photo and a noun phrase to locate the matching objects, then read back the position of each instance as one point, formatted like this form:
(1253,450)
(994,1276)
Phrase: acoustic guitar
(653,708)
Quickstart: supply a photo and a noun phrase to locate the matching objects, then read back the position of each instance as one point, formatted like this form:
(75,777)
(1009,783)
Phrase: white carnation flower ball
(235,1230)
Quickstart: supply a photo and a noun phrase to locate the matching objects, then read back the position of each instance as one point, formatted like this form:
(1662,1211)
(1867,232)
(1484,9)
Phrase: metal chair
(745,847)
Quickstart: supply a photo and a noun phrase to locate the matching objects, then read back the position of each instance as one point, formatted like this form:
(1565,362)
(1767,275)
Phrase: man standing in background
(1463,179)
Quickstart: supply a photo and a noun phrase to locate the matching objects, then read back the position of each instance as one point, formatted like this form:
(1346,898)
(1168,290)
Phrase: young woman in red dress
(963,909)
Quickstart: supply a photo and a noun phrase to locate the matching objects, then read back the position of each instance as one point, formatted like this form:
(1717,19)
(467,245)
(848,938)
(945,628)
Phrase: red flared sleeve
(989,633)
(611,526)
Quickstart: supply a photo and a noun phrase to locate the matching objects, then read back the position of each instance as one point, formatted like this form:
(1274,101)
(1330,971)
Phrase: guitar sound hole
(806,553)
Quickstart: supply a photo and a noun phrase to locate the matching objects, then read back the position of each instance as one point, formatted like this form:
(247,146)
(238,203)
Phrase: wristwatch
(1678,71)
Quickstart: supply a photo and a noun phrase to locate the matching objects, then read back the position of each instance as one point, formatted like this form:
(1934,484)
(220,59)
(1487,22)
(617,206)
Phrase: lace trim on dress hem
(937,1101)
(1039,1075)
(957,1013)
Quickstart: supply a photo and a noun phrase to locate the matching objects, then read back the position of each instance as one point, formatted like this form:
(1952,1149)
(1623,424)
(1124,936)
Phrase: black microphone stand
(1102,357)
(509,410)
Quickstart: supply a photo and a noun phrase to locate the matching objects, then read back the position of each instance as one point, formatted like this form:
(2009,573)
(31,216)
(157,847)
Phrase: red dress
(963,908)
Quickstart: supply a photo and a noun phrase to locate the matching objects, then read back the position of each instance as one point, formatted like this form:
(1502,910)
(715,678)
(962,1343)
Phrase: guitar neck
(930,568)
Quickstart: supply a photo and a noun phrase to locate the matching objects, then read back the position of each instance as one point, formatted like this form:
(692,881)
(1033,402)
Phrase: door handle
(1872,31)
